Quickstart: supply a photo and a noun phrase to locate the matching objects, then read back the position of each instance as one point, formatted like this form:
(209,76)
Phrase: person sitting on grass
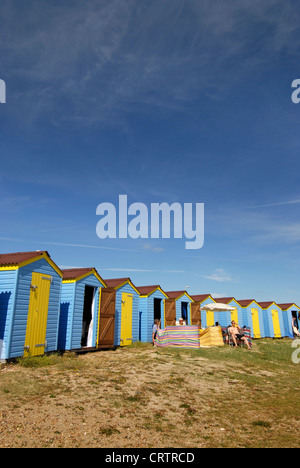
(235,332)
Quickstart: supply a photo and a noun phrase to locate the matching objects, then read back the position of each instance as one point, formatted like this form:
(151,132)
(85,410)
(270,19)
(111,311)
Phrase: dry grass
(145,397)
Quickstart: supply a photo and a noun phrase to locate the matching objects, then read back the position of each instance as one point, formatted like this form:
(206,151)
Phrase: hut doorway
(295,316)
(157,309)
(184,312)
(88,316)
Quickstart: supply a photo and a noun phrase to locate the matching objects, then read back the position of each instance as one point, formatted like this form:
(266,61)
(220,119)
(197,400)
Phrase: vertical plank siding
(135,313)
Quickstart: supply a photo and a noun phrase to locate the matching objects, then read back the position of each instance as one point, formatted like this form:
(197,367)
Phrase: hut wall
(19,325)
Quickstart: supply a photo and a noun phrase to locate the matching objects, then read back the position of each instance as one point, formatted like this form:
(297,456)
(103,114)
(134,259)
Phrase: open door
(88,317)
(170,312)
(106,332)
(196,314)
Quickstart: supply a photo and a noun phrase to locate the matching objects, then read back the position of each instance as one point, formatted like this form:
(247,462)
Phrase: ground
(146,397)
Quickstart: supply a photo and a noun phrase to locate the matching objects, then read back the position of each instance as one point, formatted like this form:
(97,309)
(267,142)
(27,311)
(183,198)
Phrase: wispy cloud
(283,203)
(135,270)
(218,275)
(105,59)
(66,244)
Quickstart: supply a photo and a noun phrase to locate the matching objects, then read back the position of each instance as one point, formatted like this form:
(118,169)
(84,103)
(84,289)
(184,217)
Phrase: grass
(143,397)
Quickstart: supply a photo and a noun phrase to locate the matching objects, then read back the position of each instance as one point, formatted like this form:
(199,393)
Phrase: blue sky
(164,101)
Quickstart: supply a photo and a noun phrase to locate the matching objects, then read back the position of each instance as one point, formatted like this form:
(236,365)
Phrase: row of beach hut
(44,309)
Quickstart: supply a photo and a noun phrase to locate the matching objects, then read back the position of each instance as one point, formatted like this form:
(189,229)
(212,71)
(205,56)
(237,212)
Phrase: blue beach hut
(273,319)
(127,311)
(208,318)
(178,305)
(253,317)
(290,311)
(152,307)
(79,308)
(30,288)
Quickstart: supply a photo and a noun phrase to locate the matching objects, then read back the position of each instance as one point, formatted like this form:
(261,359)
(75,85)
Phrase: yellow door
(210,318)
(126,319)
(276,324)
(255,323)
(37,315)
(234,316)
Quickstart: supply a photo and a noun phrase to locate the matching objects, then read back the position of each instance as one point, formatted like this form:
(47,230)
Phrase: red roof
(146,290)
(245,302)
(200,297)
(175,294)
(115,282)
(20,257)
(223,300)
(74,273)
(287,306)
(265,305)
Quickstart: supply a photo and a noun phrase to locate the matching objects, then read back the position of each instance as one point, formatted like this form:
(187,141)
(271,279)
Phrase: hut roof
(178,294)
(73,274)
(148,290)
(10,259)
(201,297)
(245,302)
(118,282)
(19,259)
(224,300)
(287,306)
(265,305)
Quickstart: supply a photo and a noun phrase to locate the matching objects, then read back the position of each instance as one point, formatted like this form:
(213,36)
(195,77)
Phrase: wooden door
(196,314)
(170,312)
(255,324)
(35,340)
(126,319)
(276,324)
(235,316)
(210,318)
(106,332)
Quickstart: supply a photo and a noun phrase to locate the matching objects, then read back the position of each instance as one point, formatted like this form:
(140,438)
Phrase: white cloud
(218,275)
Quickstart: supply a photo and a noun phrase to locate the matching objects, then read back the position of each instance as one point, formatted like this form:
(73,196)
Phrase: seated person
(235,332)
(180,322)
(294,328)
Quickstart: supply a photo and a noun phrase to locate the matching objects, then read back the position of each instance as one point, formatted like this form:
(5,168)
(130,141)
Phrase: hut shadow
(63,325)
(4,301)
